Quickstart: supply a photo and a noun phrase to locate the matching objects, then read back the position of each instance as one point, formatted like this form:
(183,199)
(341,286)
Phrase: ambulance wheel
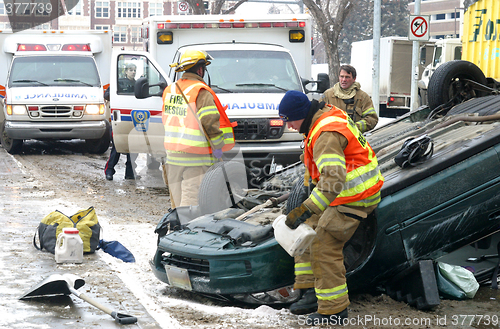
(101,145)
(448,84)
(97,146)
(298,194)
(213,195)
(13,146)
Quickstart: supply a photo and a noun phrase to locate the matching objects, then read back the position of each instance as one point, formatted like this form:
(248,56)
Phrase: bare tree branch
(233,8)
(218,6)
(329,16)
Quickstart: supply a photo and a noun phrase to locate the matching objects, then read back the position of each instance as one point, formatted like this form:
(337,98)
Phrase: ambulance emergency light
(166,37)
(53,47)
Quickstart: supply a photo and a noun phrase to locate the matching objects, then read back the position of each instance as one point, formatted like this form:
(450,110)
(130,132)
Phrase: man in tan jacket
(348,96)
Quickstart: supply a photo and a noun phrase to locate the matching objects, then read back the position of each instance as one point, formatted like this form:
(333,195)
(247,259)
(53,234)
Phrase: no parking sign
(419,28)
(183,6)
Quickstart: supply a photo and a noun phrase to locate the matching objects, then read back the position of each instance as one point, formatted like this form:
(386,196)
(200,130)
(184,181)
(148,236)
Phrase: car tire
(446,82)
(213,195)
(13,146)
(486,105)
(298,194)
(101,145)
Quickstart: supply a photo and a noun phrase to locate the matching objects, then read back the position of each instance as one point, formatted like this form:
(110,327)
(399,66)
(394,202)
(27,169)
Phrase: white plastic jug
(69,246)
(295,242)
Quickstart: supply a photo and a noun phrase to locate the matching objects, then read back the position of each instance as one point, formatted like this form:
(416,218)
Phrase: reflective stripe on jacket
(363,180)
(183,130)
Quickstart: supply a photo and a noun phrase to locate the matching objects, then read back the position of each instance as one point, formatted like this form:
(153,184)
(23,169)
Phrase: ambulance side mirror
(142,88)
(322,84)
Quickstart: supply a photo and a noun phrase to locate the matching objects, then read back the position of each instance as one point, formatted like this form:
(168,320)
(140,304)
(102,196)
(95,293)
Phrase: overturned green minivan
(429,210)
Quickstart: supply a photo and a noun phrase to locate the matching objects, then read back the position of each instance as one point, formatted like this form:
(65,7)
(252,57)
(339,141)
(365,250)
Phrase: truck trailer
(395,71)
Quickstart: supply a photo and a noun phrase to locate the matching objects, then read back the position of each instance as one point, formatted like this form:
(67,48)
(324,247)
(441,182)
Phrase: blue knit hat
(294,106)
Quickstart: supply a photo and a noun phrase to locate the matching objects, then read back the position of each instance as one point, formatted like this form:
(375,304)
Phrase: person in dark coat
(114,156)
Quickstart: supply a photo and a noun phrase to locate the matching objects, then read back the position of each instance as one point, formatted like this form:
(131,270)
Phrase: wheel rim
(460,91)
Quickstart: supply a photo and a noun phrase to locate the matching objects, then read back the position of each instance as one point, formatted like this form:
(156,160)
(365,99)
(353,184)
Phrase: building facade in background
(445,16)
(122,17)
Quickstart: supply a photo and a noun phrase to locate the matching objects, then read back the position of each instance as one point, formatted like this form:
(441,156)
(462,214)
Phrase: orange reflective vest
(183,130)
(363,178)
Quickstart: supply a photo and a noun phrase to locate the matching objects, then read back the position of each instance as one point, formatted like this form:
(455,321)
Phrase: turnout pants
(184,184)
(322,265)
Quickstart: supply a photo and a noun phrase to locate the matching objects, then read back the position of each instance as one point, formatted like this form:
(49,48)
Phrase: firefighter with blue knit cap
(344,169)
(197,129)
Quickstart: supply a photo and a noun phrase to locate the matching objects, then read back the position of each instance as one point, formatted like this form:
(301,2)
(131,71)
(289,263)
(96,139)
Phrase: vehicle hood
(259,105)
(62,95)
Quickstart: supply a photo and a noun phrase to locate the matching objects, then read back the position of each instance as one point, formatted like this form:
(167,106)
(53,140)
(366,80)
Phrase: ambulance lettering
(244,106)
(37,96)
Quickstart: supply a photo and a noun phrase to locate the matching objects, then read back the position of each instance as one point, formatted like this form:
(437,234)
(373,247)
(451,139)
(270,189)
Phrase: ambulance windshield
(36,71)
(251,71)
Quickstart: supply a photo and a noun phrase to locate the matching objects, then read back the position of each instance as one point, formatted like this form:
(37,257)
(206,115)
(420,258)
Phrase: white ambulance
(256,60)
(52,87)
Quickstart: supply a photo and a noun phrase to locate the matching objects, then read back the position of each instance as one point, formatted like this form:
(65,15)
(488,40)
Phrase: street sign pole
(376,55)
(418,30)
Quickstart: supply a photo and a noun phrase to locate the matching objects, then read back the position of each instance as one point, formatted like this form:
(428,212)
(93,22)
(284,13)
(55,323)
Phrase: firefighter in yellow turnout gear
(347,181)
(348,96)
(196,131)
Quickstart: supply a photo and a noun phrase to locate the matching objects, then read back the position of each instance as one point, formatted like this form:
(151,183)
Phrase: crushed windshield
(248,71)
(38,71)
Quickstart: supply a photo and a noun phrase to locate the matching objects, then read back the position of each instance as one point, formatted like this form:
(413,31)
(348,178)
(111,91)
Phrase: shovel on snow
(65,284)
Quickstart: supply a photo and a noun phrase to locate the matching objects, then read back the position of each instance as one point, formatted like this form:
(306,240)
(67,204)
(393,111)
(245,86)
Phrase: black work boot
(317,319)
(308,303)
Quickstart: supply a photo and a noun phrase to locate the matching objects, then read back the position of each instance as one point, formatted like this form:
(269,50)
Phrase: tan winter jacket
(361,111)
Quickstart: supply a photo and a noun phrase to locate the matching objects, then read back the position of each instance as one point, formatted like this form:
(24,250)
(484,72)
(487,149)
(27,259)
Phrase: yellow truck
(478,72)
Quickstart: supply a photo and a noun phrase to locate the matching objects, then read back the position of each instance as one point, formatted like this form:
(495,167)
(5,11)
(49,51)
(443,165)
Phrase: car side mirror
(423,55)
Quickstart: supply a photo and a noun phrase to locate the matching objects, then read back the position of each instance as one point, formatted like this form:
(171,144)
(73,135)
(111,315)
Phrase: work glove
(217,153)
(297,216)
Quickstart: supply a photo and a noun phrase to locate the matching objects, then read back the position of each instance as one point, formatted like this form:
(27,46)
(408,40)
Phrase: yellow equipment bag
(52,225)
